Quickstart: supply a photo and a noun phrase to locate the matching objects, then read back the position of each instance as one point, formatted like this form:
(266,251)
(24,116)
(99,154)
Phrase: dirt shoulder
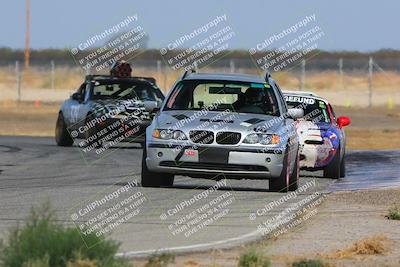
(330,235)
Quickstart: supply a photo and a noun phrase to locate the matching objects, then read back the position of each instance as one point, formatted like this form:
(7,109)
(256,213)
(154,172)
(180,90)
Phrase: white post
(370,70)
(18,80)
(158,66)
(303,74)
(52,74)
(232,65)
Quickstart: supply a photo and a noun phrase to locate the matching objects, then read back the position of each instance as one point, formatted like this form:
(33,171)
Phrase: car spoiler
(110,77)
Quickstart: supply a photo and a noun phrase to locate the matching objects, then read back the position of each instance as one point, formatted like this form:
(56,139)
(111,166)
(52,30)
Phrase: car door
(77,107)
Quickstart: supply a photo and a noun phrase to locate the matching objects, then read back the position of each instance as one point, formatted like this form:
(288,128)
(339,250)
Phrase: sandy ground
(341,220)
(369,129)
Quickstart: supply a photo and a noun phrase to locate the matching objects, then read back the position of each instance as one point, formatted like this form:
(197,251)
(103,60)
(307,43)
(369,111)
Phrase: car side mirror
(296,113)
(76,96)
(343,121)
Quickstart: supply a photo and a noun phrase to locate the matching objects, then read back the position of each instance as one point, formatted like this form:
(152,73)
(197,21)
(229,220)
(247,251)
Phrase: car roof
(225,77)
(305,94)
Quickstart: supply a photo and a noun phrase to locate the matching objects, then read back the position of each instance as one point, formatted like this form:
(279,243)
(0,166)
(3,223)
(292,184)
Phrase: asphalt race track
(35,170)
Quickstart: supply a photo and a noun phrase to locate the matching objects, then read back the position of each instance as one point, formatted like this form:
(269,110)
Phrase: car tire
(333,169)
(343,166)
(154,179)
(62,136)
(294,177)
(281,183)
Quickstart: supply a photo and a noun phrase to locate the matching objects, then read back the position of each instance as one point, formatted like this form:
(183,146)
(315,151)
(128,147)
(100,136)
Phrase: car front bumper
(315,156)
(211,161)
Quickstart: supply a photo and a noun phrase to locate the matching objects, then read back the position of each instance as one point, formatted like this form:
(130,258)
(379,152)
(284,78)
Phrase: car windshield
(122,90)
(242,97)
(315,110)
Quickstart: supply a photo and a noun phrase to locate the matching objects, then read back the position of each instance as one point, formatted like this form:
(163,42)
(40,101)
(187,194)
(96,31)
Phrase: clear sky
(348,25)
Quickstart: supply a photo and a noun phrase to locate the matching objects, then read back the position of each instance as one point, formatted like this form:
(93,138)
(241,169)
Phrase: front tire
(154,179)
(281,184)
(333,169)
(294,177)
(62,136)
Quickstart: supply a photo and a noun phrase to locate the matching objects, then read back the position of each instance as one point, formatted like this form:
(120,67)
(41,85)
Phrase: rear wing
(110,77)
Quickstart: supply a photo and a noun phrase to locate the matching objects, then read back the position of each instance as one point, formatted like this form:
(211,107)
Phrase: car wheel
(294,177)
(343,166)
(333,168)
(62,136)
(154,179)
(281,183)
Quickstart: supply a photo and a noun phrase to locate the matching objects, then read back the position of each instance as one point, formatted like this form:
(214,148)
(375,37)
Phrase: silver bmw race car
(220,126)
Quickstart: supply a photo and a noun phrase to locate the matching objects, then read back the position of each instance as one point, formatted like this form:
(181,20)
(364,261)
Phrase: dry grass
(376,245)
(375,139)
(70,78)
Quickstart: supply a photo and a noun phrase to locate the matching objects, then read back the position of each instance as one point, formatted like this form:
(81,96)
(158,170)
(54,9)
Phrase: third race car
(321,134)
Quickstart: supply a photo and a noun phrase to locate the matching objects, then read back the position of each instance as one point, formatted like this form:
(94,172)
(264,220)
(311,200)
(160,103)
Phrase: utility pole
(303,74)
(341,73)
(27,33)
(18,80)
(370,70)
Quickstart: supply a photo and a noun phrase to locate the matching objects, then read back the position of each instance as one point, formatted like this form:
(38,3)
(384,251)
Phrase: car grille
(212,166)
(228,138)
(201,137)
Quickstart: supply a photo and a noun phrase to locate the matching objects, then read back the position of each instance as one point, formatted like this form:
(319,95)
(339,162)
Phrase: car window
(314,109)
(122,90)
(243,97)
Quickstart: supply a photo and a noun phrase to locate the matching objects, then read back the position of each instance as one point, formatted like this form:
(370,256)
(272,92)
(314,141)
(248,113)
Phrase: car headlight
(263,139)
(252,139)
(166,134)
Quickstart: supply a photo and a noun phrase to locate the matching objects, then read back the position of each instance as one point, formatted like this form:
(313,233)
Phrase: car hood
(217,121)
(309,130)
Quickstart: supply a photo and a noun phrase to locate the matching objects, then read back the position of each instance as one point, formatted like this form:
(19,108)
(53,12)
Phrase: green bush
(161,260)
(252,258)
(43,242)
(308,263)
(394,213)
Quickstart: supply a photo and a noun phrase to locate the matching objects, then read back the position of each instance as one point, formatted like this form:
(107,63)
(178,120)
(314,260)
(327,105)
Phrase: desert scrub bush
(43,242)
(308,263)
(252,258)
(160,260)
(394,213)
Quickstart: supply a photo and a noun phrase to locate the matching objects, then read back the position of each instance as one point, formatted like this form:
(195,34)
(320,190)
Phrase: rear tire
(154,179)
(281,184)
(333,169)
(62,136)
